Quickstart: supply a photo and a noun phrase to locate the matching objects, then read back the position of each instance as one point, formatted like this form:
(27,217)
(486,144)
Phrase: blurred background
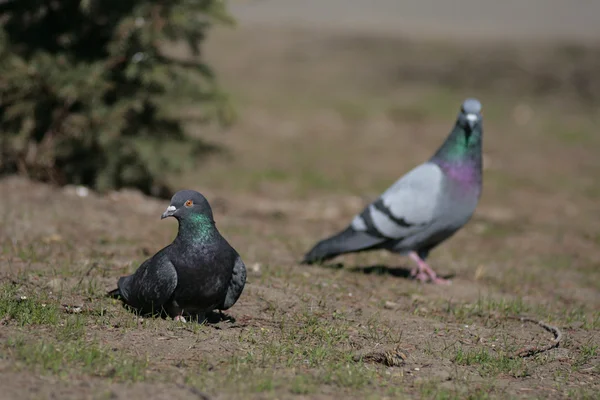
(311,95)
(345,95)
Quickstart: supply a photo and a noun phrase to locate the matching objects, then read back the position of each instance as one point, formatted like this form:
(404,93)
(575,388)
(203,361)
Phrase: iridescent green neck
(460,148)
(197,227)
(460,157)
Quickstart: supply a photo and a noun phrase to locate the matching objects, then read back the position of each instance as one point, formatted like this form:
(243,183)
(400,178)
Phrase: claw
(424,273)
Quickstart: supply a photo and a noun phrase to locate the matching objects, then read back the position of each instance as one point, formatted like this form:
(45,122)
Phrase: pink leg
(179,318)
(423,272)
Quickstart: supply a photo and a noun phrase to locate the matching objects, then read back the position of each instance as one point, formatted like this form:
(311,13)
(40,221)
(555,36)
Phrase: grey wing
(151,286)
(406,208)
(236,285)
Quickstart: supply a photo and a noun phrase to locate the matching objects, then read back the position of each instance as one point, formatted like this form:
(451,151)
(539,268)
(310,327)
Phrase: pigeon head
(470,116)
(461,151)
(186,204)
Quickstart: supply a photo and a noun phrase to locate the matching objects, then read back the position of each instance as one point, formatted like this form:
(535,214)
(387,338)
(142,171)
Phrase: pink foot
(418,274)
(179,318)
(424,273)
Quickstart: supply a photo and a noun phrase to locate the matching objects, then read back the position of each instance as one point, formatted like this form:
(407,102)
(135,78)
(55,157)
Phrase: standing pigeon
(197,273)
(424,207)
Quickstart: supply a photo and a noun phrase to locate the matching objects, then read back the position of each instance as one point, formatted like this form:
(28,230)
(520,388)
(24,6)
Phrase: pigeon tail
(347,241)
(115,294)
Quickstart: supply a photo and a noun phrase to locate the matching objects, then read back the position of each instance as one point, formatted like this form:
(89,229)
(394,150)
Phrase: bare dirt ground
(327,121)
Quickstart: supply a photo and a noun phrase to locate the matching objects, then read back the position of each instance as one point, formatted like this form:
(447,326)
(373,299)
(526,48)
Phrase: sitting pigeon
(197,273)
(424,207)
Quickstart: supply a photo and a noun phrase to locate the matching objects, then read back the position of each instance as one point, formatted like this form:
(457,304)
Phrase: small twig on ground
(530,351)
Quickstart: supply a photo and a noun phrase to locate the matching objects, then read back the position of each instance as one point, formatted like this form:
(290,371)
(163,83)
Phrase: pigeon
(197,273)
(424,207)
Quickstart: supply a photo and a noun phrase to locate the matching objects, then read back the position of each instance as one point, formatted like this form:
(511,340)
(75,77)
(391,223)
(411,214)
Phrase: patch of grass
(26,309)
(303,384)
(71,329)
(587,352)
(490,365)
(465,390)
(378,331)
(471,357)
(347,374)
(264,383)
(582,394)
(76,355)
(432,390)
(27,252)
(307,340)
(486,307)
(579,315)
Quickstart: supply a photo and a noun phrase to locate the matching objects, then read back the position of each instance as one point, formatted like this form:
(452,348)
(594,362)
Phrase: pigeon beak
(168,212)
(472,120)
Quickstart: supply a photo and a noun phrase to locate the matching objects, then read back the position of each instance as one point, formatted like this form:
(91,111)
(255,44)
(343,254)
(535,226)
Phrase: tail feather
(115,294)
(347,241)
(123,289)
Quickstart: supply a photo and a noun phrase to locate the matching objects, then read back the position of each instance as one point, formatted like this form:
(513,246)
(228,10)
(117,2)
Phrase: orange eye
(189,203)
